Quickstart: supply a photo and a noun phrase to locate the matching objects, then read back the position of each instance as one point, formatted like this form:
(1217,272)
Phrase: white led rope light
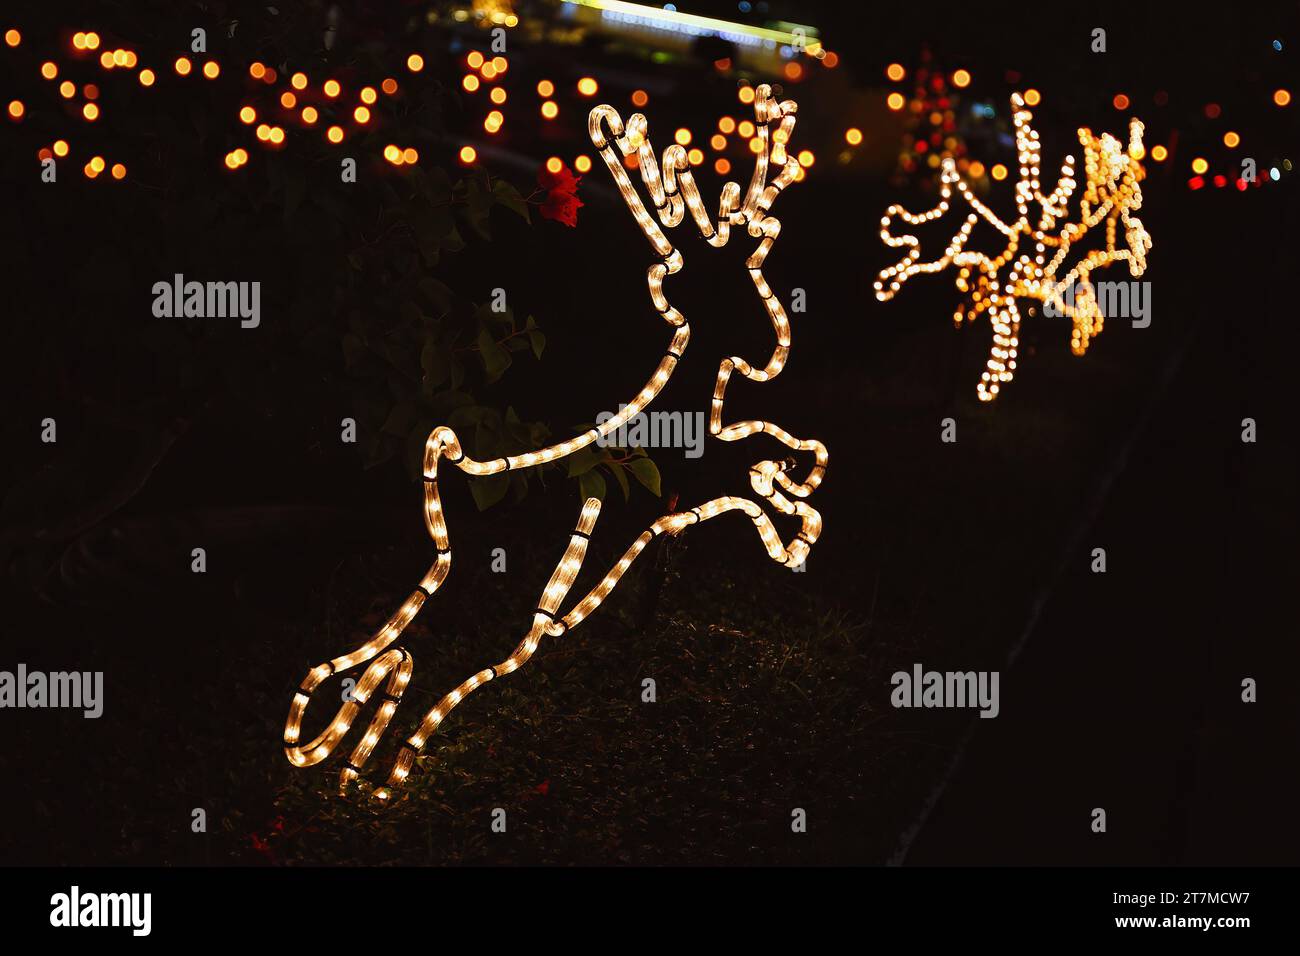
(1111,193)
(673,192)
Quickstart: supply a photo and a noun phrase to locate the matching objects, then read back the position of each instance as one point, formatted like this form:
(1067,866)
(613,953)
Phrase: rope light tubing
(673,193)
(1111,194)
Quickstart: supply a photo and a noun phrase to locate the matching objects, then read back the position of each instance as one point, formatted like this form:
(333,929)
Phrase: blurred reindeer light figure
(673,193)
(1030,263)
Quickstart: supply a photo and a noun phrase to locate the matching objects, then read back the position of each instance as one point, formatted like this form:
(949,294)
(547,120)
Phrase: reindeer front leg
(1001,366)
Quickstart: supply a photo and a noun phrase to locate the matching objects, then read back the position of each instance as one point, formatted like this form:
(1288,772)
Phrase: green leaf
(400,419)
(454,242)
(435,362)
(538,433)
(487,439)
(616,470)
(439,183)
(591,485)
(472,416)
(484,315)
(496,358)
(488,491)
(535,337)
(646,472)
(520,432)
(399,355)
(507,195)
(378,450)
(583,460)
(446,403)
(436,222)
(478,206)
(437,293)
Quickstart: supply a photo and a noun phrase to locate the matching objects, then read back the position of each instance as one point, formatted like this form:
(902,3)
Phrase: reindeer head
(671,188)
(992,284)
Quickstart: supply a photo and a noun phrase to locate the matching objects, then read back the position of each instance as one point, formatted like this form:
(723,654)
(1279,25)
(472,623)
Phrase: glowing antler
(672,193)
(1111,193)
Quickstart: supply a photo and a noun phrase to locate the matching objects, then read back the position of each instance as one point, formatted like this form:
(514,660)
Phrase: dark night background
(1119,690)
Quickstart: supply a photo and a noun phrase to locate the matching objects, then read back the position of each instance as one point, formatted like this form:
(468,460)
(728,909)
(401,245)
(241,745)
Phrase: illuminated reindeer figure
(1111,193)
(672,193)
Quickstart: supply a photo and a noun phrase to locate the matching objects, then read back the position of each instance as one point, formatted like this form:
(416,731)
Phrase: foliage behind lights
(372,309)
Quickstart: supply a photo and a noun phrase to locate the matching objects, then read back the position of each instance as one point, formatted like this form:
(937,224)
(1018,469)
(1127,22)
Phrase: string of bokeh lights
(670,184)
(484,74)
(293,101)
(930,101)
(280,103)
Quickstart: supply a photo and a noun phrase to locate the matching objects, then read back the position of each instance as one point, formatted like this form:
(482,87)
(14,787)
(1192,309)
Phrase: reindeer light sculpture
(1111,193)
(673,193)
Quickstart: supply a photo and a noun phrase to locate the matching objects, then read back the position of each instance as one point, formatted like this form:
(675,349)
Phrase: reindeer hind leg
(545,622)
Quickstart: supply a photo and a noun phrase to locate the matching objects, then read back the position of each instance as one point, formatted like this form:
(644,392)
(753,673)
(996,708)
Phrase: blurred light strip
(657,18)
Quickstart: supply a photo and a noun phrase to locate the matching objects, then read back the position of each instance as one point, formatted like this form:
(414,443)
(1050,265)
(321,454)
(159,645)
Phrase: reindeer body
(673,193)
(993,283)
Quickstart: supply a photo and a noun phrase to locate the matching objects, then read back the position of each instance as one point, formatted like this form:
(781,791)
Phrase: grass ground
(759,710)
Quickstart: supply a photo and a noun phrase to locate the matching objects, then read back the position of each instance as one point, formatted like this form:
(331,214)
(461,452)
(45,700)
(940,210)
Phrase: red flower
(564,181)
(263,847)
(561,202)
(562,207)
